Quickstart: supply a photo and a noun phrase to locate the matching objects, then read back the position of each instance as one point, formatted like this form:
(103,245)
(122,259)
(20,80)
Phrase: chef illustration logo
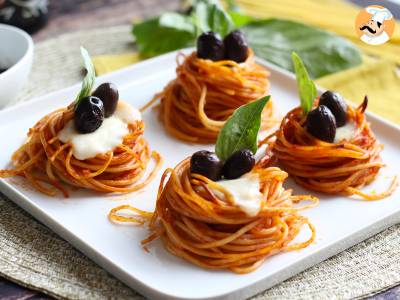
(375,25)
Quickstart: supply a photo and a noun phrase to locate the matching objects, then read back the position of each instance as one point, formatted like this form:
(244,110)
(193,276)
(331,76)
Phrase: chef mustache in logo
(374,29)
(369,28)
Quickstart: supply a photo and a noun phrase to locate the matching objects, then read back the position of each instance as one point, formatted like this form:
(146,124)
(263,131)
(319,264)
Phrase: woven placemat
(31,255)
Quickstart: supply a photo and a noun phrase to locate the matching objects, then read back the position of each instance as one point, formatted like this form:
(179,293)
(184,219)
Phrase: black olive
(89,114)
(337,106)
(108,93)
(210,46)
(239,163)
(321,124)
(206,163)
(236,47)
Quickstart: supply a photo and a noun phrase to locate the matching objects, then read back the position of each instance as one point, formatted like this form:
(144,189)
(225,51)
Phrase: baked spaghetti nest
(46,162)
(197,221)
(195,105)
(342,167)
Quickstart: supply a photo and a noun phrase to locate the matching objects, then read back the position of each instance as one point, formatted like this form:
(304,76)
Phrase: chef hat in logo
(379,14)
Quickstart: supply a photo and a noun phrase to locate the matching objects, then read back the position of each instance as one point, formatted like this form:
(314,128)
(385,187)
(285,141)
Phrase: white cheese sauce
(245,192)
(108,136)
(127,113)
(345,132)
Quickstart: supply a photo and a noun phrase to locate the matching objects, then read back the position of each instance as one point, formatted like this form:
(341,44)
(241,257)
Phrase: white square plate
(82,218)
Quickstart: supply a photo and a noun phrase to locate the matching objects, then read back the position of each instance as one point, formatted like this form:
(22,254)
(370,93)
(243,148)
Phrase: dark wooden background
(71,15)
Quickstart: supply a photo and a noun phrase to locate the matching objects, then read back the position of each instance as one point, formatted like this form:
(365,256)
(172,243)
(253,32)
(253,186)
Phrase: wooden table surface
(71,15)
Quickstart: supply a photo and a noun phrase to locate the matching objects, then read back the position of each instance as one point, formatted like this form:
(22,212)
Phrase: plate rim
(135,283)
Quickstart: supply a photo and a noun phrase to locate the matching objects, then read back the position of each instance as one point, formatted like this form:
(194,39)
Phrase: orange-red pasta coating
(333,168)
(199,226)
(46,162)
(195,105)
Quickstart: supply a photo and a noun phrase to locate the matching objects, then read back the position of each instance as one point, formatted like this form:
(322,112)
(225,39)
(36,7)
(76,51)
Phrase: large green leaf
(239,19)
(241,129)
(163,34)
(172,31)
(322,52)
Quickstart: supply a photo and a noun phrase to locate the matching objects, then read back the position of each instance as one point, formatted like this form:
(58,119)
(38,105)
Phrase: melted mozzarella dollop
(245,192)
(345,132)
(108,136)
(127,113)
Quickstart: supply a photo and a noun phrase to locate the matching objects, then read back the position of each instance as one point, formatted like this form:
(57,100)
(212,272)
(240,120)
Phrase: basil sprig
(88,81)
(241,129)
(210,16)
(306,87)
(172,31)
(271,39)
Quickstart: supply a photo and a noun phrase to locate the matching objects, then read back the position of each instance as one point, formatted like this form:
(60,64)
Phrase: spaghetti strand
(334,168)
(205,229)
(44,159)
(195,105)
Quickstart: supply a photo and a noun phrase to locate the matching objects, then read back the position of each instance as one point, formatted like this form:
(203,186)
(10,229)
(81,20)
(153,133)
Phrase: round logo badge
(375,25)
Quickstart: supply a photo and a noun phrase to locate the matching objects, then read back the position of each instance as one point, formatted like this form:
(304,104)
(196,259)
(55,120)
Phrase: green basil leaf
(166,33)
(239,19)
(210,16)
(177,21)
(241,129)
(172,31)
(90,77)
(306,87)
(322,52)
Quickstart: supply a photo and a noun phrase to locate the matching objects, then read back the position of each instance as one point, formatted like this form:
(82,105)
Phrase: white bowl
(16,55)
